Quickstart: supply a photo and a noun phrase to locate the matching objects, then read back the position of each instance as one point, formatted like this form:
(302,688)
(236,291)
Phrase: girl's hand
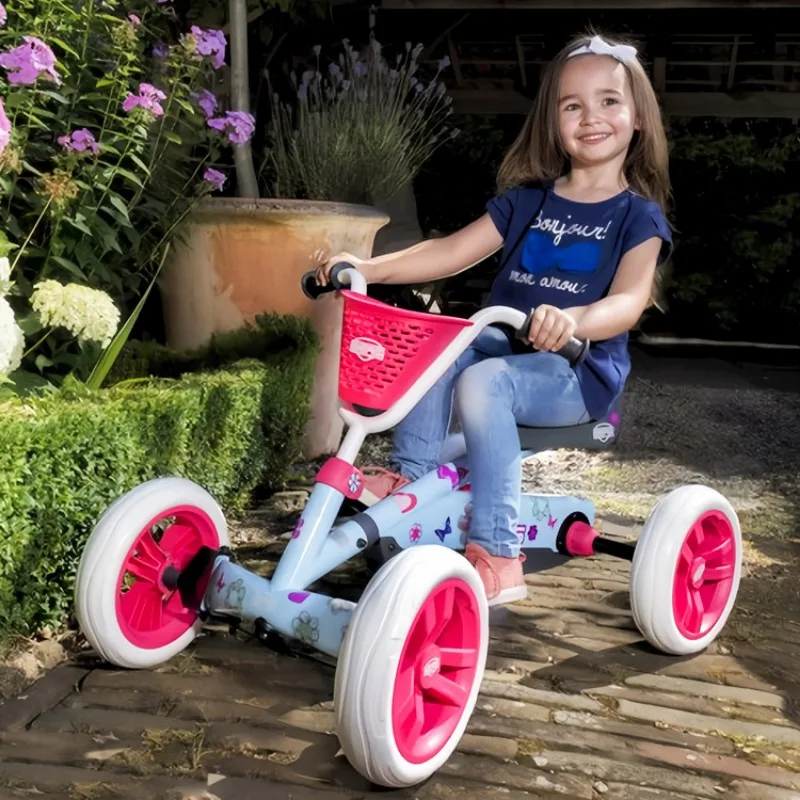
(323,271)
(551,328)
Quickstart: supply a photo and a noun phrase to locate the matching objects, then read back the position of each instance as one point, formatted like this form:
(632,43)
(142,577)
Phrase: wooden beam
(659,73)
(649,5)
(428,51)
(777,105)
(732,67)
(489,101)
(523,70)
(456,64)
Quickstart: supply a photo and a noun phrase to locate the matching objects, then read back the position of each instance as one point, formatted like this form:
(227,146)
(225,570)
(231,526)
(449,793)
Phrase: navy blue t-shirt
(569,257)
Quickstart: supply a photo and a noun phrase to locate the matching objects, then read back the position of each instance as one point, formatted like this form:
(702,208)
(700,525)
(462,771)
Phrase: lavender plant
(108,133)
(361,130)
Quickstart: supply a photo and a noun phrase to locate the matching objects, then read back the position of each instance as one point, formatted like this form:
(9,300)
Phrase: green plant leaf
(111,353)
(120,205)
(70,267)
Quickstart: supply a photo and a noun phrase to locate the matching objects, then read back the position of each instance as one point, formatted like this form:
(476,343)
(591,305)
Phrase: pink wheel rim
(704,575)
(437,671)
(149,613)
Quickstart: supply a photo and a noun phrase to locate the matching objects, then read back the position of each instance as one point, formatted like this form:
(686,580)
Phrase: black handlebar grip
(574,351)
(313,290)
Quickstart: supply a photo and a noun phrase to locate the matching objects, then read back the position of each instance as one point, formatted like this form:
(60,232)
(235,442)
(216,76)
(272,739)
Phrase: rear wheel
(686,570)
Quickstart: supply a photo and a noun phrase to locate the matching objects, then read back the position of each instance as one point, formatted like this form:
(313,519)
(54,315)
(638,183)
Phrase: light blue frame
(317,547)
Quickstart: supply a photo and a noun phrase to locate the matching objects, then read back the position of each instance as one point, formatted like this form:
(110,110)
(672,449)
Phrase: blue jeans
(493,391)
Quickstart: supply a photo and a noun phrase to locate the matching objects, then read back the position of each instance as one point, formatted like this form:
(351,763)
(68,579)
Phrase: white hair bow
(600,47)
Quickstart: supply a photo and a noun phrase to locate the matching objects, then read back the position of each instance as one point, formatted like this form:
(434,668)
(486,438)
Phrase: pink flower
(215,178)
(149,98)
(207,102)
(79,141)
(134,20)
(5,128)
(28,61)
(238,125)
(210,43)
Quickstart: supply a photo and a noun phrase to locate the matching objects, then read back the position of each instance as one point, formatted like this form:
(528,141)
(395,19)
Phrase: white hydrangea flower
(86,313)
(12,340)
(5,276)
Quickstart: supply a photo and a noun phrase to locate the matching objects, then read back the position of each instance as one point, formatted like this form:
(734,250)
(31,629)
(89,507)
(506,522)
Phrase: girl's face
(596,114)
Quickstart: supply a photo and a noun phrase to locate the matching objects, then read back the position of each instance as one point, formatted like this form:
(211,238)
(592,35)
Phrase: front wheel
(686,570)
(411,666)
(129,601)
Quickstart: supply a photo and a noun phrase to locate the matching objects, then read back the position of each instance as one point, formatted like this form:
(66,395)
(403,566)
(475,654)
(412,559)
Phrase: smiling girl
(580,221)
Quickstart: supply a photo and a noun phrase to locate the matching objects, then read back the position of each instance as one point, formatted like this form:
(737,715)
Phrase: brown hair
(537,155)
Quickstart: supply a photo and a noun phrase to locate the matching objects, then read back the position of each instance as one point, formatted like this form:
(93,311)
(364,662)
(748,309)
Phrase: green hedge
(234,426)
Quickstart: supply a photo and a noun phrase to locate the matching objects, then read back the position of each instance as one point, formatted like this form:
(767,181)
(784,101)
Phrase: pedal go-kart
(411,653)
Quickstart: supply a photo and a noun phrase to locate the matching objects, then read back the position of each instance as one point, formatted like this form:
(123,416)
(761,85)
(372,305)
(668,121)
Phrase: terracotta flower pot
(243,257)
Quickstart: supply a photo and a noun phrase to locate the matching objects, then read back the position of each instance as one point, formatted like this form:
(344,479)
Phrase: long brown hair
(537,155)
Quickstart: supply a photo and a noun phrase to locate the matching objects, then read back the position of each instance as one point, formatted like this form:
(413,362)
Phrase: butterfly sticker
(446,472)
(446,531)
(551,521)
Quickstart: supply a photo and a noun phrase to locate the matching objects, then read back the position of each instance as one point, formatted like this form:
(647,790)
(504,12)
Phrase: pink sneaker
(380,483)
(502,577)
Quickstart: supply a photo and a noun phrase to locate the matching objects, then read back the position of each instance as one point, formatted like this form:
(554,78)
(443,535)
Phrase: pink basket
(385,349)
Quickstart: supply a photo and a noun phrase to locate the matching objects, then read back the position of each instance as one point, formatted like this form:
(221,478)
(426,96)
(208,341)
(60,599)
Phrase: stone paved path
(574,705)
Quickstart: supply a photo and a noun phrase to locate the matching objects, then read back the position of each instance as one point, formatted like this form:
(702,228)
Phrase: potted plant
(344,136)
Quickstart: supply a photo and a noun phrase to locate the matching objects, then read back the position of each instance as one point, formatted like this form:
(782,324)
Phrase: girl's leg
(419,437)
(492,398)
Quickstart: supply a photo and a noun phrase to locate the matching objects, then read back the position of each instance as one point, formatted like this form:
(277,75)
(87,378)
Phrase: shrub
(66,456)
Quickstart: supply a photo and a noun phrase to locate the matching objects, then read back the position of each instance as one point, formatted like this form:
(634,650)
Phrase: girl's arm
(627,298)
(429,260)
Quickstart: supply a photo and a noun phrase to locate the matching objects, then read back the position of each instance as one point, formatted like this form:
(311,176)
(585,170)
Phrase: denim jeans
(491,391)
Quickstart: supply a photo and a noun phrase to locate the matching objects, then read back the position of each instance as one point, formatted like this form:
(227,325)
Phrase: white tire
(396,671)
(136,622)
(686,570)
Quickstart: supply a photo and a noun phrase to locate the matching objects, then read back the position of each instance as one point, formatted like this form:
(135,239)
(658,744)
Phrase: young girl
(580,221)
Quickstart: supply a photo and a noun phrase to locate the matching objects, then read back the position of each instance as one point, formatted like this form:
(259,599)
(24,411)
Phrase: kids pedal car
(411,652)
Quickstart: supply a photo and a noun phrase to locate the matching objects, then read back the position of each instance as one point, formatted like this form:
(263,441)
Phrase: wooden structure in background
(740,72)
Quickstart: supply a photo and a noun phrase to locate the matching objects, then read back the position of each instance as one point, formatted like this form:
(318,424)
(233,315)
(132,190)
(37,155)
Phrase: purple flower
(161,2)
(160,50)
(148,98)
(210,43)
(208,102)
(5,128)
(28,61)
(134,20)
(238,125)
(215,178)
(3,15)
(79,141)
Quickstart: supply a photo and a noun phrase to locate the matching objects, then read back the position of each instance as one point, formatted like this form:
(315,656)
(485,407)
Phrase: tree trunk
(246,182)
